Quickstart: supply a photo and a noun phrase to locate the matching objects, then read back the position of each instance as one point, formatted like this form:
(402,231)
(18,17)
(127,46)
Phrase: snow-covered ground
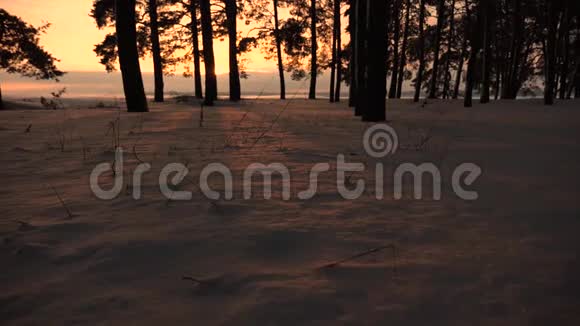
(508,258)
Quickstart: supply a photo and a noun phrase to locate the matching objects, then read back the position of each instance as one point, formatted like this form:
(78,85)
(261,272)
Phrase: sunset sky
(73,35)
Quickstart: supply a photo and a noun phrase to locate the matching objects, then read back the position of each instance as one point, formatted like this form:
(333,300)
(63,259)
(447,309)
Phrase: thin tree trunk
(485,60)
(463,52)
(129,56)
(352,21)
(361,57)
(208,54)
(498,68)
(338,54)
(231,17)
(460,69)
(377,70)
(512,79)
(419,78)
(156,50)
(313,51)
(403,54)
(396,39)
(333,60)
(447,81)
(566,55)
(475,47)
(196,54)
(577,84)
(550,55)
(279,52)
(435,71)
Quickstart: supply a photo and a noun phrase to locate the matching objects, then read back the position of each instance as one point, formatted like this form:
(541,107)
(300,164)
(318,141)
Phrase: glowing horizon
(73,35)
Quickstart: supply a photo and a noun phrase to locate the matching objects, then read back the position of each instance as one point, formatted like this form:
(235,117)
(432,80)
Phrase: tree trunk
(463,52)
(361,56)
(403,54)
(196,54)
(231,17)
(208,55)
(333,59)
(377,70)
(447,81)
(353,58)
(396,38)
(435,71)
(485,60)
(565,27)
(460,70)
(156,50)
(419,78)
(279,52)
(550,55)
(125,23)
(338,52)
(475,47)
(577,85)
(511,78)
(313,51)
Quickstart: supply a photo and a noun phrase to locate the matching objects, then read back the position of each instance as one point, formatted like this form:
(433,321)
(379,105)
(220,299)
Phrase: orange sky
(73,35)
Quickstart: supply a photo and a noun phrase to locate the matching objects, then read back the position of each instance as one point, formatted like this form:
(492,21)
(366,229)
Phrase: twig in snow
(193,279)
(24,226)
(70,215)
(365,253)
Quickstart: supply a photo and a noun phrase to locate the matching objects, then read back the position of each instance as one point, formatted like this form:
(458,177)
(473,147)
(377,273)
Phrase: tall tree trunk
(577,84)
(156,50)
(419,78)
(125,23)
(550,54)
(231,17)
(313,51)
(475,47)
(196,54)
(396,38)
(377,70)
(208,55)
(460,69)
(498,68)
(278,41)
(435,71)
(353,58)
(447,80)
(486,58)
(403,54)
(463,52)
(338,52)
(565,27)
(333,59)
(511,80)
(361,57)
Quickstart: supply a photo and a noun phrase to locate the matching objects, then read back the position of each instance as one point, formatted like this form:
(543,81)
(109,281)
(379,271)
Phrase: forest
(447,48)
(396,162)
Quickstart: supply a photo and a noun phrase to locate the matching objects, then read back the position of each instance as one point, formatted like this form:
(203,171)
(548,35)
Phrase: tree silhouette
(126,34)
(20,52)
(208,54)
(148,36)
